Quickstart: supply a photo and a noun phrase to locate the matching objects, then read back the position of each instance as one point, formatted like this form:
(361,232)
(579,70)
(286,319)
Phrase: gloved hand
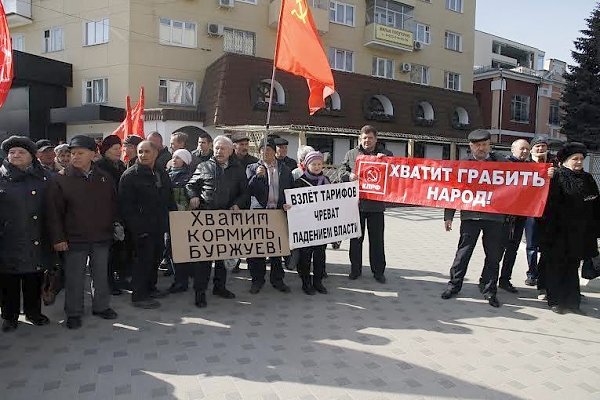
(118,232)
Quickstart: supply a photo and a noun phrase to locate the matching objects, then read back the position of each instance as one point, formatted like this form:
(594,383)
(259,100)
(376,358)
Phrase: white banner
(322,214)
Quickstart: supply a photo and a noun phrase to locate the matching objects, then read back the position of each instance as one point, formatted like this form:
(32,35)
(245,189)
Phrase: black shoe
(159,294)
(116,292)
(74,322)
(380,278)
(255,287)
(38,320)
(223,292)
(493,300)
(448,294)
(149,304)
(557,309)
(307,286)
(531,282)
(9,325)
(109,313)
(200,300)
(577,311)
(177,288)
(318,286)
(282,287)
(506,285)
(353,276)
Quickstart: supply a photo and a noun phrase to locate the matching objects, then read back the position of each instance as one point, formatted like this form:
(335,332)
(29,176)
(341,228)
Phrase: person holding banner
(218,184)
(267,179)
(569,228)
(371,212)
(471,225)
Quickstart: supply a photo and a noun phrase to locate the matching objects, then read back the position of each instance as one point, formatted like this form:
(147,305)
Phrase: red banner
(496,187)
(6,58)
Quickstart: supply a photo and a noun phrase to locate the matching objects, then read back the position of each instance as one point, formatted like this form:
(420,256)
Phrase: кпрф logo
(372,176)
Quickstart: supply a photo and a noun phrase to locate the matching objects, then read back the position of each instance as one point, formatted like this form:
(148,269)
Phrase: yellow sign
(393,35)
(301,12)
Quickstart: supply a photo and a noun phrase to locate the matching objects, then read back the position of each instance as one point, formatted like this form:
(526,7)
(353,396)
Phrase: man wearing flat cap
(131,143)
(281,152)
(241,145)
(471,225)
(82,208)
(45,154)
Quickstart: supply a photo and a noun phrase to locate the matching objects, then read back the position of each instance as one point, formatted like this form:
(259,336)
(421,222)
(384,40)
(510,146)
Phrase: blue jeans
(532,237)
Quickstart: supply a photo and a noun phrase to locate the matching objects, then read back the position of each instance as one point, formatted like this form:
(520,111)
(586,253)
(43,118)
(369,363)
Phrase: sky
(549,25)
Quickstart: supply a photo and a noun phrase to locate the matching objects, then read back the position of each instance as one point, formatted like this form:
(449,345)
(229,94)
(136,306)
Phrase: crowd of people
(80,205)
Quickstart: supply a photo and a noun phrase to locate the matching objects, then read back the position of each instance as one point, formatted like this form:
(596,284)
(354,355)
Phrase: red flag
(125,128)
(299,51)
(137,116)
(6,57)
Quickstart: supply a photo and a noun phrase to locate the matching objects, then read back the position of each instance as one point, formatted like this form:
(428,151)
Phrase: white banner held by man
(323,214)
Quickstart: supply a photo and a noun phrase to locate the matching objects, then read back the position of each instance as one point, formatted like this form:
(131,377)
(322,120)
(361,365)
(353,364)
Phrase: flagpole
(269,109)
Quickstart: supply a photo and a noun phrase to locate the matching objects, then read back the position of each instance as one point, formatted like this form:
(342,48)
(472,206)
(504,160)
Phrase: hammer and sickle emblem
(301,12)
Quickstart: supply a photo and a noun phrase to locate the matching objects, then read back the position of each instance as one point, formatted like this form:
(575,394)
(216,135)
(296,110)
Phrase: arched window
(264,90)
(333,102)
(425,111)
(460,118)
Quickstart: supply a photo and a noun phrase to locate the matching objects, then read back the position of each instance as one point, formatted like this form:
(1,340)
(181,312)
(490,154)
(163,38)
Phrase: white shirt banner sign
(322,214)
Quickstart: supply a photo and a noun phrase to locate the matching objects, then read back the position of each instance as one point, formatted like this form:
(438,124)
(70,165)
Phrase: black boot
(307,286)
(318,286)
(200,299)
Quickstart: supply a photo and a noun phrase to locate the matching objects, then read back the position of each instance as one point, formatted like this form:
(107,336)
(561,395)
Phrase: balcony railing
(18,12)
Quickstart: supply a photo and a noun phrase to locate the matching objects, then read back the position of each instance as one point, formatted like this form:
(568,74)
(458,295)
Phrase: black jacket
(24,243)
(163,158)
(349,165)
(247,160)
(218,188)
(569,226)
(289,162)
(200,157)
(258,186)
(145,199)
(115,170)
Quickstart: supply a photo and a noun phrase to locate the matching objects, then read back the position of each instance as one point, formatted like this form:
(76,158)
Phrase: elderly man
(163,153)
(471,225)
(241,145)
(45,155)
(145,199)
(130,144)
(281,153)
(371,212)
(82,209)
(267,180)
(218,184)
(204,150)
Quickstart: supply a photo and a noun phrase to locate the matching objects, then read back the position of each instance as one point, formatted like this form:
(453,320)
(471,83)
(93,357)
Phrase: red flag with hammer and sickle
(6,58)
(299,51)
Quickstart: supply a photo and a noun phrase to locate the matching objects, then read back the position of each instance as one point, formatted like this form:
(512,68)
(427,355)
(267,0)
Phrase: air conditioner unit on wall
(226,3)
(418,45)
(215,29)
(405,67)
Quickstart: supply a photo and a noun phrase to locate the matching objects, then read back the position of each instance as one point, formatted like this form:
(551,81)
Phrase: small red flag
(6,57)
(299,51)
(124,129)
(137,116)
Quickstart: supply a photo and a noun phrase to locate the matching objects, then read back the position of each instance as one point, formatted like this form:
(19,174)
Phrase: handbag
(51,285)
(591,268)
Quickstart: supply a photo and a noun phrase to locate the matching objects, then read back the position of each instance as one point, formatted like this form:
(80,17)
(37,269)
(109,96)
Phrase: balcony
(18,12)
(318,8)
(387,38)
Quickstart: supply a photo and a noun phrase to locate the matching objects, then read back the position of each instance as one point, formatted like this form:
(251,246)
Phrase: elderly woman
(24,249)
(569,228)
(63,155)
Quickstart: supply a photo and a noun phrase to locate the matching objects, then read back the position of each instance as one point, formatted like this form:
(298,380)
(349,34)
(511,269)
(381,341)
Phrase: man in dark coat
(82,210)
(24,245)
(472,223)
(45,155)
(281,153)
(164,156)
(218,184)
(145,199)
(267,180)
(204,151)
(131,143)
(241,145)
(371,212)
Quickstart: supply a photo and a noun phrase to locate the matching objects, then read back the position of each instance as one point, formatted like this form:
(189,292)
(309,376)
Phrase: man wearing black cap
(131,142)
(45,154)
(282,151)
(82,209)
(241,145)
(472,223)
(267,179)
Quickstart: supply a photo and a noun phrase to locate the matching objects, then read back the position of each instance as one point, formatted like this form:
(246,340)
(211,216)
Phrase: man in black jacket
(371,212)
(204,150)
(164,156)
(218,184)
(145,199)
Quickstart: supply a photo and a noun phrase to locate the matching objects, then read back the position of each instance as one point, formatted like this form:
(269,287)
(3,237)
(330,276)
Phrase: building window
(453,41)
(333,102)
(264,91)
(341,13)
(383,68)
(452,81)
(96,32)
(182,93)
(53,39)
(419,74)
(519,108)
(95,91)
(18,42)
(341,60)
(423,33)
(246,1)
(390,13)
(240,42)
(178,33)
(455,5)
(554,118)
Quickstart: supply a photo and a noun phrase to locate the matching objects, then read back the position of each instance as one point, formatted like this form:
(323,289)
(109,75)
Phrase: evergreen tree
(581,97)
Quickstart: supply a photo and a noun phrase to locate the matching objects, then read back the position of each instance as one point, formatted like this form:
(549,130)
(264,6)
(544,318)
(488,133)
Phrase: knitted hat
(185,156)
(60,148)
(569,149)
(20,141)
(109,142)
(313,156)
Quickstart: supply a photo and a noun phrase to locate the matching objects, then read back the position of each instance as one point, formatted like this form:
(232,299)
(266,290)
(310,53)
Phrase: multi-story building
(498,52)
(403,66)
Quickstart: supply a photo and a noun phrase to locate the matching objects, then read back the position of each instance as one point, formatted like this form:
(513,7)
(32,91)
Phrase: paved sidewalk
(362,341)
